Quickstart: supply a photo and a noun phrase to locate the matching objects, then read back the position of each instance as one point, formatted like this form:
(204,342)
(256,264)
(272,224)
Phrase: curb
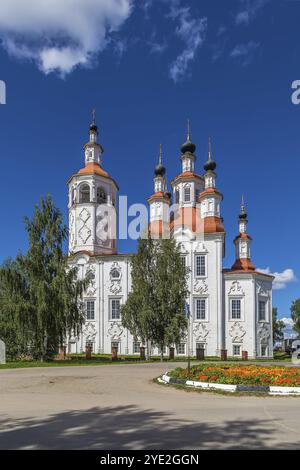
(271,390)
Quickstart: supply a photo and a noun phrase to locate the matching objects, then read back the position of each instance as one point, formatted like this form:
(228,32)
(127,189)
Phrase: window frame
(80,201)
(240,350)
(201,298)
(187,188)
(260,302)
(235,299)
(265,347)
(134,343)
(204,256)
(178,349)
(86,301)
(110,300)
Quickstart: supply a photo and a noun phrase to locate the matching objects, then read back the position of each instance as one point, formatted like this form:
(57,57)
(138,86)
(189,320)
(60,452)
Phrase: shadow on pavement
(128,427)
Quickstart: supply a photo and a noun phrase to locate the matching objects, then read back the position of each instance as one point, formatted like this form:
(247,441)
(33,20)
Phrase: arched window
(101,196)
(187,194)
(84,193)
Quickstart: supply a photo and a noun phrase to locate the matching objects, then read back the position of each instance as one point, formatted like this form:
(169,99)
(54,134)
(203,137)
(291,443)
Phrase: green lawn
(102,359)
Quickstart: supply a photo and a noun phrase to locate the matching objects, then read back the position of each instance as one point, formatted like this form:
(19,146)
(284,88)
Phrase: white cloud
(289,327)
(248,10)
(281,279)
(192,31)
(244,52)
(60,34)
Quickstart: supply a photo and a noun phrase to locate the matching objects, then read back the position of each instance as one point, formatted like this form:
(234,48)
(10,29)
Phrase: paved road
(119,407)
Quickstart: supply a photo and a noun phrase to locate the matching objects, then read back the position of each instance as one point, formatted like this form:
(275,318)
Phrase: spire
(210,164)
(188,146)
(160,169)
(243,214)
(93,150)
(93,126)
(188,135)
(242,243)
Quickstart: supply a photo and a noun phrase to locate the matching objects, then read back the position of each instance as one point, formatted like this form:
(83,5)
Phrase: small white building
(230,309)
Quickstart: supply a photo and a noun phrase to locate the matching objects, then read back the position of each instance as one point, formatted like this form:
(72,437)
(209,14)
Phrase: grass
(102,359)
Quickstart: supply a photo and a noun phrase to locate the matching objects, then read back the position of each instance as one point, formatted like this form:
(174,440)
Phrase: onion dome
(188,146)
(242,214)
(210,164)
(160,170)
(93,126)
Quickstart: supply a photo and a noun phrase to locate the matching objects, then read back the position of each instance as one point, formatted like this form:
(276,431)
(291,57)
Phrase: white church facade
(230,309)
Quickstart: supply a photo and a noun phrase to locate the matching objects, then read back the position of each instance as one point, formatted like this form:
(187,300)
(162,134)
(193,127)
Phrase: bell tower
(92,202)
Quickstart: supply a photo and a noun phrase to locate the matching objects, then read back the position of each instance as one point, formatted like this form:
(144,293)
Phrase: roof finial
(94,116)
(209,149)
(160,154)
(160,169)
(188,135)
(210,165)
(243,214)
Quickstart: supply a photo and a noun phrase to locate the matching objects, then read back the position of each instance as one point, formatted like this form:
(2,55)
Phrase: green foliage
(278,326)
(40,295)
(154,310)
(295,314)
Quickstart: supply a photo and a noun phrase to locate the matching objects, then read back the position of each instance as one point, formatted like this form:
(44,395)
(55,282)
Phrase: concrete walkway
(119,407)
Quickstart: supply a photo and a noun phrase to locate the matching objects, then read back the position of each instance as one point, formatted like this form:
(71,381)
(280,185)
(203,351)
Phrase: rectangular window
(236,350)
(136,347)
(236,309)
(200,309)
(164,350)
(183,261)
(90,309)
(261,310)
(264,350)
(200,345)
(115,313)
(181,348)
(187,194)
(115,344)
(200,268)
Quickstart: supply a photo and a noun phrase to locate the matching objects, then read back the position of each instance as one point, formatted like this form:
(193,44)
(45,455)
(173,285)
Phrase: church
(230,309)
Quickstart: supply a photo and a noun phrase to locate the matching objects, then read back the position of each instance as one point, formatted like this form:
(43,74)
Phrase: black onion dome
(243,213)
(243,216)
(210,165)
(188,147)
(160,170)
(94,127)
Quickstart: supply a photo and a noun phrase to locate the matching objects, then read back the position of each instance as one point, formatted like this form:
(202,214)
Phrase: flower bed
(241,375)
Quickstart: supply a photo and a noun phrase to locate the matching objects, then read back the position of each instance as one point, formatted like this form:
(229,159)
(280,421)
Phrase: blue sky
(148,66)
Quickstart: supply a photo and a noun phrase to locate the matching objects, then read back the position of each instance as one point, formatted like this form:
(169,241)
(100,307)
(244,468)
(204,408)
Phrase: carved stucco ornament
(200,286)
(236,289)
(89,331)
(115,278)
(262,288)
(264,332)
(84,232)
(200,331)
(115,330)
(237,332)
